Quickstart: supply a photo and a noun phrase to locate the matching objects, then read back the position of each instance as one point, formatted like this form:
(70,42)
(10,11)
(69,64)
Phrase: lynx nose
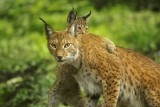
(59,57)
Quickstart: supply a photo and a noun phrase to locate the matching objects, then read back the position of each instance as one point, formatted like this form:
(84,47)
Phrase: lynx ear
(85,17)
(71,29)
(71,16)
(48,29)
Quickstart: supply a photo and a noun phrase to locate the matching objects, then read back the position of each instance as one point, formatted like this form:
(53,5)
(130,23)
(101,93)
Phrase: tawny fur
(122,77)
(81,27)
(66,89)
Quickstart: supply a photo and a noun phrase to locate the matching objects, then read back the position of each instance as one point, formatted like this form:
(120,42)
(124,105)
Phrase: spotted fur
(124,79)
(81,27)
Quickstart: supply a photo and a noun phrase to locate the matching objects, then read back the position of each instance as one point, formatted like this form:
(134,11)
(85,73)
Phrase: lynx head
(81,25)
(62,45)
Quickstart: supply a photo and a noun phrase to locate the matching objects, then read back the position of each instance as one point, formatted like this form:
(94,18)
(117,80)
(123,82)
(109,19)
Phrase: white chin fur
(73,58)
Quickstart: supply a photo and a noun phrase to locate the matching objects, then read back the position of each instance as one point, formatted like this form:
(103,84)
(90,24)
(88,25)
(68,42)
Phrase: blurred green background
(26,66)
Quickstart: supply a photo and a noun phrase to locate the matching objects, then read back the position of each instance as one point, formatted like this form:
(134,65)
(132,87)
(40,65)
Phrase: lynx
(58,90)
(81,27)
(123,77)
(66,90)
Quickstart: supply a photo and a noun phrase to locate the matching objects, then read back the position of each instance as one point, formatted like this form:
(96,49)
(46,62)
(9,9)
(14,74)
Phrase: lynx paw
(111,47)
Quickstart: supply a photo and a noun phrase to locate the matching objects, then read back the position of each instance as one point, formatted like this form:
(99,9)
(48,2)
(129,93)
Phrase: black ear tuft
(85,17)
(48,29)
(42,20)
(71,16)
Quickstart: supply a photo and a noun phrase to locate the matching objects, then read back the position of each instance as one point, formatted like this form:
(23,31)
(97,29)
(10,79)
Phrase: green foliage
(133,4)
(26,71)
(138,31)
(26,66)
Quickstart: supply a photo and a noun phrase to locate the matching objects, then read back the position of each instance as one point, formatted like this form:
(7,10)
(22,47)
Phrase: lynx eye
(53,46)
(67,45)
